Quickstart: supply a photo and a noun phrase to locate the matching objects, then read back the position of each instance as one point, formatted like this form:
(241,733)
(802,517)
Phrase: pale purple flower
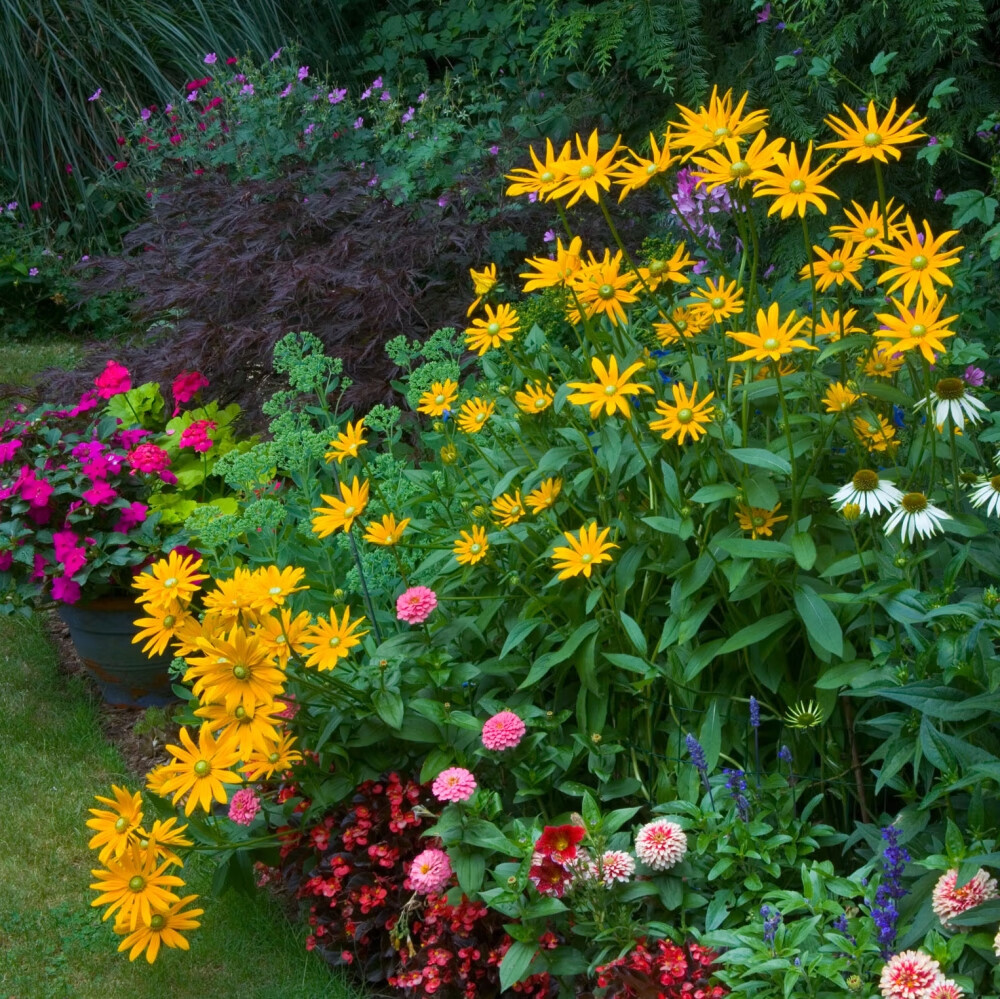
(366,94)
(385,96)
(84,258)
(310,128)
(240,78)
(532,196)
(95,95)
(145,114)
(193,96)
(247,91)
(12,206)
(168,109)
(932,141)
(373,181)
(443,201)
(277,55)
(920,238)
(974,377)
(286,91)
(550,235)
(33,272)
(421,98)
(408,116)
(211,58)
(336,96)
(303,72)
(764,14)
(377,83)
(359,122)
(494,150)
(939,195)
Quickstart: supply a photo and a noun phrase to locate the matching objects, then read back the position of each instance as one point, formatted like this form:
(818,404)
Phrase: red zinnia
(559,842)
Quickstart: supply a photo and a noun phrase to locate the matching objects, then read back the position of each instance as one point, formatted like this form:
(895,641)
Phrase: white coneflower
(867,491)
(915,515)
(988,492)
(952,398)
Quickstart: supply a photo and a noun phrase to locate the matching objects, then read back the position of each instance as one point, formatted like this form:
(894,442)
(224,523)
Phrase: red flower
(559,842)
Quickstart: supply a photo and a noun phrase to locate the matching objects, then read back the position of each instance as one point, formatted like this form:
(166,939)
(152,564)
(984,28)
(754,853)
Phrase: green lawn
(20,361)
(53,945)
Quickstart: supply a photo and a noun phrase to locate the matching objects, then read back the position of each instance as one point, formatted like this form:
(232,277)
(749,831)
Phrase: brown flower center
(914,502)
(950,388)
(865,480)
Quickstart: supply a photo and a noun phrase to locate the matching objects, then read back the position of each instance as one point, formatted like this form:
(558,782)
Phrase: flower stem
(791,451)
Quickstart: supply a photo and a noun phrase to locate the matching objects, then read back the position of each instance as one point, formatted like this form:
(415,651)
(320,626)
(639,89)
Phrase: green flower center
(202,768)
(586,557)
(240,672)
(548,177)
(493,329)
(475,548)
(836,266)
(136,883)
(797,186)
(586,172)
(121,825)
(919,262)
(439,399)
(334,642)
(684,415)
(740,168)
(157,922)
(540,403)
(606,291)
(168,621)
(914,502)
(871,232)
(865,480)
(480,417)
(918,329)
(651,169)
(872,139)
(681,325)
(657,266)
(274,590)
(758,521)
(170,583)
(273,758)
(610,389)
(717,302)
(240,712)
(721,132)
(771,343)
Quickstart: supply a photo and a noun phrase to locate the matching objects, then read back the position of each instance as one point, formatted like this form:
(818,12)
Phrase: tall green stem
(791,450)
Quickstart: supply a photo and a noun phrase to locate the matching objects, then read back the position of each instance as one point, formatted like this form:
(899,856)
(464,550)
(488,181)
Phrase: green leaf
(634,632)
(479,832)
(515,964)
(389,707)
(821,623)
(519,633)
(880,64)
(784,62)
(665,525)
(756,632)
(749,548)
(541,666)
(804,550)
(470,868)
(844,674)
(971,206)
(760,458)
(852,563)
(713,493)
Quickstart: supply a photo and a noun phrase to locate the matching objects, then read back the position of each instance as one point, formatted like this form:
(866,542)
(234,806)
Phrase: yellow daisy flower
(470,548)
(612,391)
(586,549)
(508,509)
(920,328)
(202,770)
(483,282)
(839,398)
(281,634)
(554,273)
(236,669)
(278,758)
(918,265)
(439,399)
(686,417)
(533,398)
(114,826)
(632,176)
(273,585)
(834,267)
(340,513)
(733,165)
(332,640)
(544,496)
(719,300)
(867,228)
(601,287)
(773,339)
(873,139)
(659,271)
(251,730)
(758,520)
(231,599)
(498,327)
(173,578)
(793,185)
(831,325)
(133,885)
(388,532)
(161,836)
(163,927)
(713,125)
(347,443)
(160,628)
(587,172)
(877,437)
(544,179)
(473,415)
(883,363)
(684,321)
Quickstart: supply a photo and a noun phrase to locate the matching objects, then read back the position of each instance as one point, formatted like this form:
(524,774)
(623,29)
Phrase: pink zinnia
(244,806)
(113,380)
(946,989)
(503,731)
(909,975)
(660,844)
(430,871)
(948,901)
(616,865)
(415,605)
(454,784)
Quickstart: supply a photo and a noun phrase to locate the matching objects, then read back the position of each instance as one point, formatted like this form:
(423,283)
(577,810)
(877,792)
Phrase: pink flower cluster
(503,731)
(151,459)
(186,386)
(454,784)
(914,975)
(196,435)
(113,380)
(416,604)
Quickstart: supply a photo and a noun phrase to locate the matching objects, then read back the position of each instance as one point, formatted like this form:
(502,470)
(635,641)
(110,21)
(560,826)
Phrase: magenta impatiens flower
(454,784)
(416,604)
(113,380)
(65,590)
(430,871)
(244,806)
(503,731)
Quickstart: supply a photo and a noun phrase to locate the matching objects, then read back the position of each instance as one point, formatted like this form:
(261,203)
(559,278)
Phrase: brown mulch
(142,752)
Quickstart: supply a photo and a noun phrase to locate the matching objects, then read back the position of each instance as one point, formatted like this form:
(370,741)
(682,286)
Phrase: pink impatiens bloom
(7,449)
(430,871)
(660,844)
(416,604)
(503,731)
(244,806)
(133,515)
(65,590)
(113,380)
(454,784)
(99,493)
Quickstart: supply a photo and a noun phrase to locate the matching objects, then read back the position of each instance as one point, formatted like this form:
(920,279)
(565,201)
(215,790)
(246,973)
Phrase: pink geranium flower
(430,871)
(503,731)
(454,784)
(196,435)
(416,604)
(113,380)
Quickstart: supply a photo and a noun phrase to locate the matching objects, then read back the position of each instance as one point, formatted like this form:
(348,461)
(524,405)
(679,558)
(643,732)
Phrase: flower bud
(991,597)
(338,594)
(851,512)
(449,454)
